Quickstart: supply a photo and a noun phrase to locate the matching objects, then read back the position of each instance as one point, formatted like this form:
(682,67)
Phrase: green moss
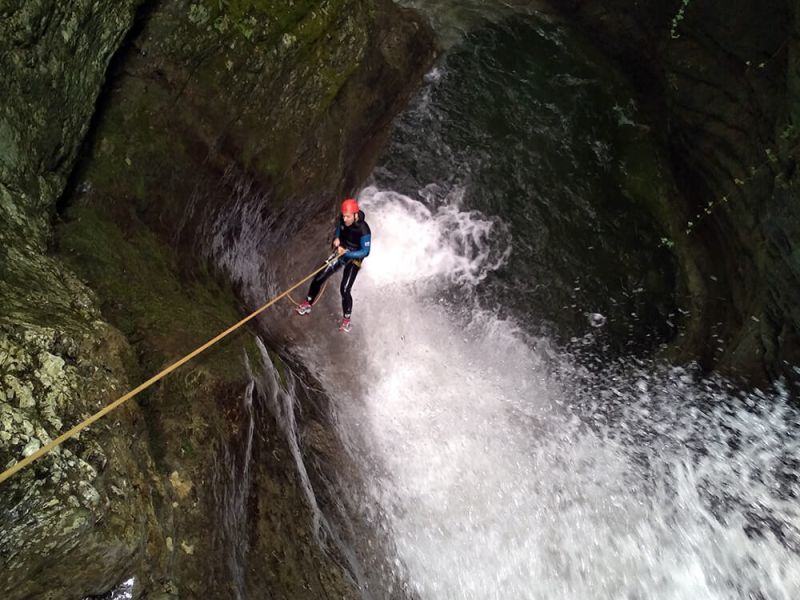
(283,14)
(187,448)
(9,152)
(252,18)
(251,350)
(277,362)
(143,293)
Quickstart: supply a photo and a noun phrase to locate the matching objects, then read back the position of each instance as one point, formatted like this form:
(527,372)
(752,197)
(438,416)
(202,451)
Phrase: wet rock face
(720,80)
(293,98)
(294,102)
(58,360)
(53,57)
(85,497)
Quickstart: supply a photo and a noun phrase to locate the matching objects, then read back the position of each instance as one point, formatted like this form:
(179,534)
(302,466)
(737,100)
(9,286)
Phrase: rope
(119,401)
(328,262)
(324,285)
(321,292)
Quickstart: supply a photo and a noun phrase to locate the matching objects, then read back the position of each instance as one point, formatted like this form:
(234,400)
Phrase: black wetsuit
(357,239)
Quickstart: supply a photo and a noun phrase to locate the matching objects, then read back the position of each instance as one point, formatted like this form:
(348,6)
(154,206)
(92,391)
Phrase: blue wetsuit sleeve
(363,250)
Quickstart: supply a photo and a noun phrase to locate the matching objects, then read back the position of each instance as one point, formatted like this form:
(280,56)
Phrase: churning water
(505,467)
(508,469)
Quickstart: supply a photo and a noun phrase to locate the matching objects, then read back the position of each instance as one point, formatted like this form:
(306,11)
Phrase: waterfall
(500,464)
(231,486)
(280,401)
(510,471)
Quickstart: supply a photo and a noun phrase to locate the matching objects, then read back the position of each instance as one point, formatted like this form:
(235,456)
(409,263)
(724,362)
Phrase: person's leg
(348,278)
(319,279)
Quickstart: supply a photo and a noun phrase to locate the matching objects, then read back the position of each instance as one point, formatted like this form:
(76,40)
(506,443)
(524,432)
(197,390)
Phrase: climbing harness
(119,401)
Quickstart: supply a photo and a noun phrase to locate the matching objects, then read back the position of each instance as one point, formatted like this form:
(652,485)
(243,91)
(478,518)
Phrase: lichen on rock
(56,502)
(205,93)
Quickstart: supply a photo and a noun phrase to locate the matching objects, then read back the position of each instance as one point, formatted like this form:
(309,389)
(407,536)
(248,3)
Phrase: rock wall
(293,99)
(58,358)
(53,56)
(720,82)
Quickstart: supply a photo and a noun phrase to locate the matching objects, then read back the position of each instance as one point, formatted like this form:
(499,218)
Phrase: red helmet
(350,206)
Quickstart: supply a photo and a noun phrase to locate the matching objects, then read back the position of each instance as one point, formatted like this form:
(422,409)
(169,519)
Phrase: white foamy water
(453,19)
(420,246)
(504,477)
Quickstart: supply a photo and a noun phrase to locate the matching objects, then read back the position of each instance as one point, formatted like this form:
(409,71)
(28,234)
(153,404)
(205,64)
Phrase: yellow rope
(322,291)
(324,285)
(68,434)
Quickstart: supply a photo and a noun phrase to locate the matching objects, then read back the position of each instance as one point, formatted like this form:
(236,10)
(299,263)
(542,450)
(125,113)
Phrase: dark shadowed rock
(720,80)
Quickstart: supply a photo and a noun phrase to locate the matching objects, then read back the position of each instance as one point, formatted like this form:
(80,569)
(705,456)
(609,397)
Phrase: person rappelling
(351,243)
